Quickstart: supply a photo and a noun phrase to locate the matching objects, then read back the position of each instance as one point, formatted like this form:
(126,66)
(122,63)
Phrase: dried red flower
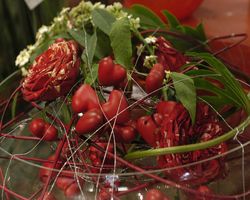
(168,56)
(177,129)
(53,73)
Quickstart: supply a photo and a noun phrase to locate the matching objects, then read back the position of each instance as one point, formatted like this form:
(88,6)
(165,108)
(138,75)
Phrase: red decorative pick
(124,134)
(109,73)
(147,129)
(116,103)
(90,121)
(155,78)
(84,99)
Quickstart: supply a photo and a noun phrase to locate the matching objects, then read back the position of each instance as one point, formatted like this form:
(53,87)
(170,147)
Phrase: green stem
(140,37)
(190,147)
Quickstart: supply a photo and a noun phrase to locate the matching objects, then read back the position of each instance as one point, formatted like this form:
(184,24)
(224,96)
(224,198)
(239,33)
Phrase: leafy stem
(141,38)
(190,147)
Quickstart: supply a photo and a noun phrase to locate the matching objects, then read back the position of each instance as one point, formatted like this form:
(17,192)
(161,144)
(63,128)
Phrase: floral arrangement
(119,97)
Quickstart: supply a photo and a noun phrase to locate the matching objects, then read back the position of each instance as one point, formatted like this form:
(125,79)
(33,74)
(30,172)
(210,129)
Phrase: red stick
(12,193)
(2,177)
(167,182)
(7,104)
(57,155)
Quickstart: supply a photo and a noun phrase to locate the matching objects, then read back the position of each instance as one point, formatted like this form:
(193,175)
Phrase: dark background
(19,26)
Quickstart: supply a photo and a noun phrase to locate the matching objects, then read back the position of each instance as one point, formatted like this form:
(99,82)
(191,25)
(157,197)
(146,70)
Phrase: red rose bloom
(169,57)
(53,73)
(177,129)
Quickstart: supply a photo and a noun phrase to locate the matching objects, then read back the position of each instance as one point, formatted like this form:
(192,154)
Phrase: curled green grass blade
(190,147)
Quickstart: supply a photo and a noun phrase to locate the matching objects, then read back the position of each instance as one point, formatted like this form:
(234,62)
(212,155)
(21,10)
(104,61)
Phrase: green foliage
(78,36)
(120,37)
(90,47)
(19,26)
(148,18)
(185,92)
(103,20)
(103,47)
(231,92)
(92,75)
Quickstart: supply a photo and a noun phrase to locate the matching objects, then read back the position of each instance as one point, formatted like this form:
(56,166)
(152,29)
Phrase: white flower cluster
(149,61)
(59,24)
(74,18)
(150,39)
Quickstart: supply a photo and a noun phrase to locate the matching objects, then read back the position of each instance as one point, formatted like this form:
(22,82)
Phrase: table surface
(224,17)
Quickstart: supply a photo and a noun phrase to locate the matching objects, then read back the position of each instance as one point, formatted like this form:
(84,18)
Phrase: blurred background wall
(18,26)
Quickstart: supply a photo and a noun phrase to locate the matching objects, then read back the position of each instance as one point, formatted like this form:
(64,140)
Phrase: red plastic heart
(84,99)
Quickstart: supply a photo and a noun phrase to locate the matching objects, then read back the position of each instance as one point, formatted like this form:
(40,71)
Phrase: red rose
(53,73)
(169,57)
(177,129)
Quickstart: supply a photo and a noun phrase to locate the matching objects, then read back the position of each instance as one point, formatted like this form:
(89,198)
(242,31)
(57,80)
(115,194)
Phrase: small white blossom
(149,61)
(117,5)
(150,39)
(99,5)
(24,71)
(22,58)
(140,49)
(134,22)
(64,11)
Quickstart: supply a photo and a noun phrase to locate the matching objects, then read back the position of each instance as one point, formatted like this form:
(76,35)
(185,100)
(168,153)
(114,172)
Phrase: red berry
(205,190)
(104,195)
(92,156)
(72,190)
(155,194)
(49,196)
(50,133)
(64,182)
(44,173)
(37,127)
(96,162)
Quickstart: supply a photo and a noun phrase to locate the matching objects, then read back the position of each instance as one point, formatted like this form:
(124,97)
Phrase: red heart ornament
(147,129)
(125,134)
(63,182)
(155,78)
(89,122)
(116,106)
(85,98)
(110,74)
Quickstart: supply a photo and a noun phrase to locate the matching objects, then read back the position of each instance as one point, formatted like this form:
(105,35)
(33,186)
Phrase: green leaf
(148,19)
(232,86)
(13,105)
(78,36)
(90,47)
(92,75)
(103,20)
(65,111)
(121,44)
(6,84)
(185,92)
(172,20)
(201,32)
(103,47)
(222,95)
